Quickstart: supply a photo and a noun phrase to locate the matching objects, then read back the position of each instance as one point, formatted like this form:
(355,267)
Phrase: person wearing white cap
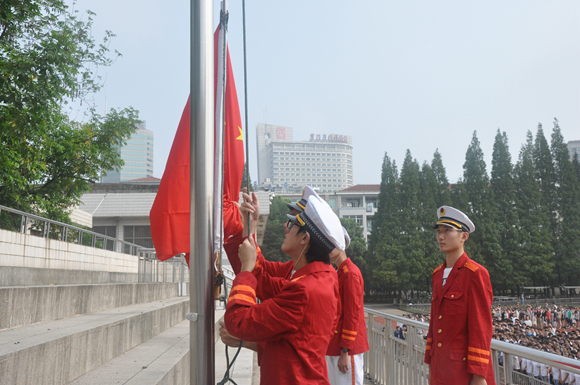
(460,330)
(297,316)
(344,356)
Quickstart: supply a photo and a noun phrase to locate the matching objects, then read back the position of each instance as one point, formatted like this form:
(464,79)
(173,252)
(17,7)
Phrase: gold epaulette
(471,266)
(437,269)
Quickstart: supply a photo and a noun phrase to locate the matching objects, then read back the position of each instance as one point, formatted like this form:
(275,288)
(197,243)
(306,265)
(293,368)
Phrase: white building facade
(324,162)
(574,148)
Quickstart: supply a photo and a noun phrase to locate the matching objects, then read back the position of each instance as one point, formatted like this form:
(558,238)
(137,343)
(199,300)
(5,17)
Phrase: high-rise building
(574,148)
(138,157)
(323,162)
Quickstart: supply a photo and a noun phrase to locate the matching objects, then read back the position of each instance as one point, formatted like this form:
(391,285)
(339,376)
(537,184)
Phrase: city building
(358,202)
(574,148)
(138,157)
(323,162)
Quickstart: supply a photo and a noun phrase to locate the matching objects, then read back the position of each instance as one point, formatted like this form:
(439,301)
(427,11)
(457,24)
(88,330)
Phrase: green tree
(507,221)
(410,265)
(431,197)
(536,264)
(274,234)
(567,205)
(483,244)
(384,247)
(545,175)
(49,59)
(443,198)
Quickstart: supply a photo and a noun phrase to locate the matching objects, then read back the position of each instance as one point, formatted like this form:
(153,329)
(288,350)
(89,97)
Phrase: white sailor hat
(301,204)
(321,223)
(451,217)
(346,238)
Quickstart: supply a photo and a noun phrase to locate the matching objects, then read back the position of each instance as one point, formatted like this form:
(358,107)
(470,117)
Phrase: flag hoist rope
(223,24)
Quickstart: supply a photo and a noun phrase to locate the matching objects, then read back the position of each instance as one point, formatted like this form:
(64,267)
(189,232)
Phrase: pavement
(245,369)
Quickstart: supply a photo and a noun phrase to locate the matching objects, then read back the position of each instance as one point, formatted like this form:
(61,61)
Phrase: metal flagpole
(201,281)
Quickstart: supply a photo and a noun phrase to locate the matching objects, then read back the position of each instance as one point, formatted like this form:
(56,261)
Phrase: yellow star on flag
(241,137)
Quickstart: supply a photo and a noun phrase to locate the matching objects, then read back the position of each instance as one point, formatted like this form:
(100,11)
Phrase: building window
(139,235)
(353,202)
(370,220)
(109,231)
(332,203)
(357,218)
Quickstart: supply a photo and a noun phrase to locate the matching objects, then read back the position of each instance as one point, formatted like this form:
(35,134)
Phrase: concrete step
(164,359)
(27,305)
(58,352)
(31,276)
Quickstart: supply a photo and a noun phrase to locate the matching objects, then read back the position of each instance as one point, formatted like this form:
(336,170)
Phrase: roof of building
(148,180)
(131,204)
(362,188)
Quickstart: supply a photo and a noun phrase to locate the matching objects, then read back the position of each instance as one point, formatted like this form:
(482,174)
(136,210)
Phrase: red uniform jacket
(351,332)
(460,331)
(272,279)
(295,325)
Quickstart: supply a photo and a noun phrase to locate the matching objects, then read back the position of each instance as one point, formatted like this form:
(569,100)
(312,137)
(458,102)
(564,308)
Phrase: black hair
(315,252)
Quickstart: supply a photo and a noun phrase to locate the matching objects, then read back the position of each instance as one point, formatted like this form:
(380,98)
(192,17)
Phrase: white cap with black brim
(321,223)
(451,217)
(301,204)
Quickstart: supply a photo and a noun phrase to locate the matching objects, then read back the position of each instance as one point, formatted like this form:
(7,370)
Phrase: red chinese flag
(233,152)
(169,215)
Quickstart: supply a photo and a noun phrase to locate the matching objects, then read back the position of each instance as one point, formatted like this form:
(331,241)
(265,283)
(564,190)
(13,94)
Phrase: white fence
(393,361)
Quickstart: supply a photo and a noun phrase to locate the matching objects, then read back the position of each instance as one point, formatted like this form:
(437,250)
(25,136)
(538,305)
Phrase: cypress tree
(536,253)
(567,206)
(444,196)
(544,173)
(483,245)
(384,248)
(409,263)
(459,196)
(430,197)
(506,221)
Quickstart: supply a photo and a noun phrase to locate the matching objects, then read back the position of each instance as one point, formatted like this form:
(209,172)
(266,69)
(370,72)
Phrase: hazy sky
(395,75)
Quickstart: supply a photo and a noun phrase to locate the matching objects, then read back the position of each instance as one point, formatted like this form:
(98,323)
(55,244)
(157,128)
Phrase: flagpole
(201,282)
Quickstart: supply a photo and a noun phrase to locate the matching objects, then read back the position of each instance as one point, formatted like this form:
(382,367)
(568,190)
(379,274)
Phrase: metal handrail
(148,269)
(26,217)
(393,361)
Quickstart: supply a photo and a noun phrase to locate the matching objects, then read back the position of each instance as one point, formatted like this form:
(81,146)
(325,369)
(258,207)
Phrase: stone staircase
(103,333)
(94,333)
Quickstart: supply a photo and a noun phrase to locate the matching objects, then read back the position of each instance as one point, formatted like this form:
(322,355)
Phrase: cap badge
(442,211)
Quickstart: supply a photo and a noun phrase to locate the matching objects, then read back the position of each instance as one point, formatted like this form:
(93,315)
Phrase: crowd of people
(549,328)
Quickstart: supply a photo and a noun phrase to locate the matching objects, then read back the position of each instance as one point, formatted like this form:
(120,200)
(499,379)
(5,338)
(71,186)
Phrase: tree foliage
(48,60)
(274,234)
(527,216)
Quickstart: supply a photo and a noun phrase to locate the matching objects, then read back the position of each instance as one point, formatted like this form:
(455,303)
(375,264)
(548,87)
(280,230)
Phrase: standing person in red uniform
(295,324)
(344,356)
(460,331)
